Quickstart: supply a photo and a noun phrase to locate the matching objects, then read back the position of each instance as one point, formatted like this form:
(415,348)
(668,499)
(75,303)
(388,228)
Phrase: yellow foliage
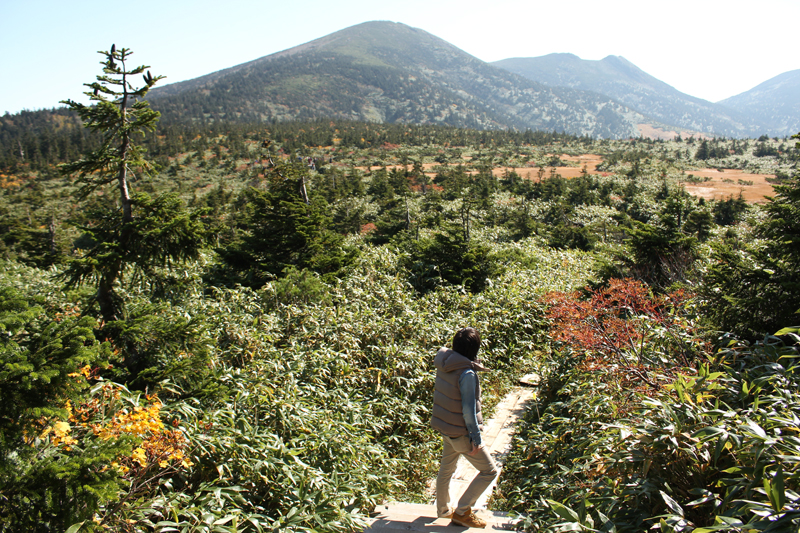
(159,447)
(139,456)
(86,372)
(9,181)
(59,434)
(141,421)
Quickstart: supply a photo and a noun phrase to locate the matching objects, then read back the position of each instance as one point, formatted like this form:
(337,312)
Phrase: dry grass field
(730,182)
(721,184)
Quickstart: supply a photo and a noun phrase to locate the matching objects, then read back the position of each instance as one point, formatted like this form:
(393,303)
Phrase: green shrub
(49,479)
(279,231)
(447,258)
(755,289)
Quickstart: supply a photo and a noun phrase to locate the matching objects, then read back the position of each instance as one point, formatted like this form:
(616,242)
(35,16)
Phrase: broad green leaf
(672,504)
(707,498)
(74,527)
(756,429)
(563,511)
(572,526)
(776,491)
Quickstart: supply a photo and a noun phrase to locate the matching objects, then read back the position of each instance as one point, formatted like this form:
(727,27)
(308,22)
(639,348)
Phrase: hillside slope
(390,72)
(618,78)
(776,102)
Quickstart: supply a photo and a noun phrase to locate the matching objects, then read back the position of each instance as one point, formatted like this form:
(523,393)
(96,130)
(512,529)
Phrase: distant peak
(382,25)
(562,55)
(376,23)
(616,59)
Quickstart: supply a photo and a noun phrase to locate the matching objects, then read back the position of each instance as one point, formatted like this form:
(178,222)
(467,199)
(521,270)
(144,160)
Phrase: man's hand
(475,449)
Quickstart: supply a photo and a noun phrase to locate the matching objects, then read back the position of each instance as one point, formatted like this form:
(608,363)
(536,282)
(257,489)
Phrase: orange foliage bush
(617,320)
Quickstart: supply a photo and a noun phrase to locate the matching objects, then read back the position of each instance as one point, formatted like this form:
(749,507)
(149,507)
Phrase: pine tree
(140,232)
(702,152)
(44,487)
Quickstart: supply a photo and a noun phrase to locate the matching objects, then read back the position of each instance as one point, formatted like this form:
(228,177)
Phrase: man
(457,415)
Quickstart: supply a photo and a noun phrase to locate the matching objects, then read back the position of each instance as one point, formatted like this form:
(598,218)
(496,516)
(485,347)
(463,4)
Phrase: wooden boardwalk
(497,435)
(396,517)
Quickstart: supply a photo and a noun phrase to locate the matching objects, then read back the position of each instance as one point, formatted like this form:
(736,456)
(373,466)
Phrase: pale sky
(711,49)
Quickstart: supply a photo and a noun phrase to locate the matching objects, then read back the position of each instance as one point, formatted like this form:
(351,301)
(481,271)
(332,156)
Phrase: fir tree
(139,232)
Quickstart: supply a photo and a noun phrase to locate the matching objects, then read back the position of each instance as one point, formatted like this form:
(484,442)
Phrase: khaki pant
(453,448)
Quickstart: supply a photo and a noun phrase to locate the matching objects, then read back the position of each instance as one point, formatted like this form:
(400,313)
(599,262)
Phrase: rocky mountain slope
(390,72)
(617,78)
(776,102)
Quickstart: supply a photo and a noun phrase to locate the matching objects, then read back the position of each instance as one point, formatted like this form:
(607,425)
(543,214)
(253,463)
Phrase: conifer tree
(46,487)
(138,232)
(754,290)
(119,115)
(283,229)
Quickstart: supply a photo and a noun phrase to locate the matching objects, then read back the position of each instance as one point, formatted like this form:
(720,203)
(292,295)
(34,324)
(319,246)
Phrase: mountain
(618,78)
(776,101)
(390,72)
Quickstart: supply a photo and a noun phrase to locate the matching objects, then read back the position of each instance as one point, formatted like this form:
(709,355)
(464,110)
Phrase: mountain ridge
(389,72)
(777,99)
(384,71)
(618,78)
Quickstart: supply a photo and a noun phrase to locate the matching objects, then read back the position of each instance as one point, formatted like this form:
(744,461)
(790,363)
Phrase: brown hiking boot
(468,520)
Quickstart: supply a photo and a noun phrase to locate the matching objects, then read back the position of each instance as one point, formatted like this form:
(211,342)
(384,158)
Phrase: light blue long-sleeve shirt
(468,385)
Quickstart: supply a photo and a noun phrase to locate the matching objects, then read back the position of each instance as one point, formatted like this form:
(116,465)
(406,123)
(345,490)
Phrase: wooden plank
(411,523)
(429,511)
(422,515)
(389,526)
